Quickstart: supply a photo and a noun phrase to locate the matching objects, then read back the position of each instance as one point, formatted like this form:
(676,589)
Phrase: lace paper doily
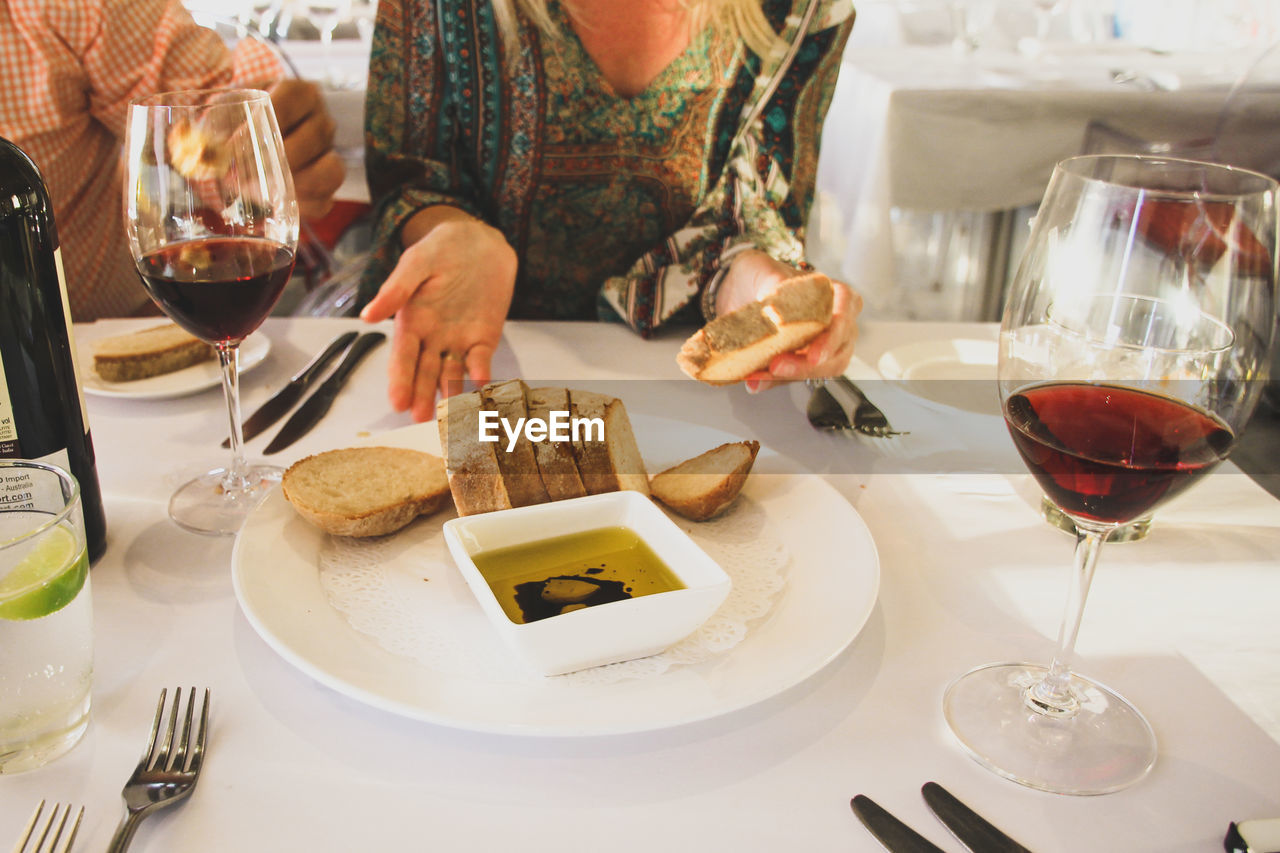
(404,592)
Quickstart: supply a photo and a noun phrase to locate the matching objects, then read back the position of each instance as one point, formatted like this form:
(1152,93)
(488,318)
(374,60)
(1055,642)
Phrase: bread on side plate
(704,486)
(733,346)
(365,491)
(148,352)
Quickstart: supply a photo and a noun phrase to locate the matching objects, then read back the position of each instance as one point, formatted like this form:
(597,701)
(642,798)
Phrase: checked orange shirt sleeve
(70,69)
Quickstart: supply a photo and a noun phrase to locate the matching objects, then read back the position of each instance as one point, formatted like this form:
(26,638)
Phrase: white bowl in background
(603,633)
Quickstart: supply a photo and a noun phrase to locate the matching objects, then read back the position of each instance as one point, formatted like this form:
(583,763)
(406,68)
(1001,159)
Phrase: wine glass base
(205,505)
(1105,746)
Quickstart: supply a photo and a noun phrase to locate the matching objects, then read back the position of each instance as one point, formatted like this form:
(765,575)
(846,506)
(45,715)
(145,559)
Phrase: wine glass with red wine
(1133,348)
(212,221)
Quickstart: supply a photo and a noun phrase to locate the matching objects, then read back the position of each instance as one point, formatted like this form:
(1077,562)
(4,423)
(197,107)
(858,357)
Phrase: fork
(169,767)
(825,411)
(55,825)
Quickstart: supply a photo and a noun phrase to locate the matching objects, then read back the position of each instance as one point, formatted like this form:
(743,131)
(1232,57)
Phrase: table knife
(284,399)
(895,835)
(310,412)
(973,830)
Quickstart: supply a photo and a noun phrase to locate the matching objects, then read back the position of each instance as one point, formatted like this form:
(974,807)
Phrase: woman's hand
(754,274)
(449,293)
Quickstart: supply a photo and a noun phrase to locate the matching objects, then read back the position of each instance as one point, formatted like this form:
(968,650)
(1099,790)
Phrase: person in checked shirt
(69,70)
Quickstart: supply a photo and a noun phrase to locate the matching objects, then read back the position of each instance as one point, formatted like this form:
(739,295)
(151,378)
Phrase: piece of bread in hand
(475,481)
(733,346)
(365,491)
(149,352)
(703,487)
(614,463)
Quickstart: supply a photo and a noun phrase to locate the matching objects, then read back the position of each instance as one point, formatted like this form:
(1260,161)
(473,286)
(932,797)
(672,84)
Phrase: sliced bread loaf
(475,481)
(555,460)
(519,468)
(365,491)
(735,345)
(149,352)
(613,463)
(704,486)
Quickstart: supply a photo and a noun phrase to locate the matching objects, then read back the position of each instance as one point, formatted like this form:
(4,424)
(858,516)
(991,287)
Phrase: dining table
(758,747)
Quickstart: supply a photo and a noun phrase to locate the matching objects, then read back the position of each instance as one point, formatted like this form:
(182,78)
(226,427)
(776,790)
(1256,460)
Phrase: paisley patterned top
(617,207)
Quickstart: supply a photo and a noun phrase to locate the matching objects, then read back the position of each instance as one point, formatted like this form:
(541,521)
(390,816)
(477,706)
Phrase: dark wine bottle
(42,411)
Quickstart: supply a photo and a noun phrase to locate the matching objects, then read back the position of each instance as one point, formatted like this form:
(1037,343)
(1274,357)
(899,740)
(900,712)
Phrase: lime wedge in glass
(45,580)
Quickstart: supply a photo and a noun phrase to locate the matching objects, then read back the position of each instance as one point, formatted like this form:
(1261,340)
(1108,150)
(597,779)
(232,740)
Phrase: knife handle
(308,373)
(359,349)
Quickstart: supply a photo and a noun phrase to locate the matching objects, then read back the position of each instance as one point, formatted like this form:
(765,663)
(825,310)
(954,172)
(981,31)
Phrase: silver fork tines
(169,768)
(53,830)
(826,411)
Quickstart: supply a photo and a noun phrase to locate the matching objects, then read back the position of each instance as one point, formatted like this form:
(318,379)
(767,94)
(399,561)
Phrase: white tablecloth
(1183,623)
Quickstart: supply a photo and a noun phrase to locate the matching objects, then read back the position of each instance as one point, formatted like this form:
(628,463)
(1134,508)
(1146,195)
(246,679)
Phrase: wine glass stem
(229,359)
(1052,694)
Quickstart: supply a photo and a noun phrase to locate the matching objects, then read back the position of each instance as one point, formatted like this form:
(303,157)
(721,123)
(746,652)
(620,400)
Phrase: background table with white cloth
(923,143)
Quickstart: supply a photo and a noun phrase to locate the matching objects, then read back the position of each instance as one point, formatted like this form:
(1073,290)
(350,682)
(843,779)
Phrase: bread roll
(365,491)
(704,486)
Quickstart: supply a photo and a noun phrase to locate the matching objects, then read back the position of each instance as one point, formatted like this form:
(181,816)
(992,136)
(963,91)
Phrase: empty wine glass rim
(1086,167)
(201,98)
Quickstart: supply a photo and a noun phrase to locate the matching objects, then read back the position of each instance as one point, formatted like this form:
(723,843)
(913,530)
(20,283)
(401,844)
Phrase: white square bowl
(603,633)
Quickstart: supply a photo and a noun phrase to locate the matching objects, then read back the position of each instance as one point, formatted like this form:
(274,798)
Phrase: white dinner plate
(831,587)
(179,383)
(957,374)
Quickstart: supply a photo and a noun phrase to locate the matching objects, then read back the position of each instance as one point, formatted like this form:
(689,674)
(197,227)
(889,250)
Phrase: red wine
(219,288)
(42,412)
(1108,453)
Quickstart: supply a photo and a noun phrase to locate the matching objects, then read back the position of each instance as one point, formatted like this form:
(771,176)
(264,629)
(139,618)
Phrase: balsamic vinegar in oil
(536,580)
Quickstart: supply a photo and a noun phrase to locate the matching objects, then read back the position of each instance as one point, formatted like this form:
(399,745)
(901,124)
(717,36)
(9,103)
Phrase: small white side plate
(179,383)
(955,374)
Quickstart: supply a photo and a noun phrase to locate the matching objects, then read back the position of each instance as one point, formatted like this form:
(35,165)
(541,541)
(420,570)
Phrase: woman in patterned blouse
(582,159)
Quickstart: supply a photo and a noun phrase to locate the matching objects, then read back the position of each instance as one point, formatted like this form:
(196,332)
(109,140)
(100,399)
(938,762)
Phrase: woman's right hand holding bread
(449,293)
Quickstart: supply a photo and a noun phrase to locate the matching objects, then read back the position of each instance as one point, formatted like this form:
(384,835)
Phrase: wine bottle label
(19,491)
(8,428)
(71,337)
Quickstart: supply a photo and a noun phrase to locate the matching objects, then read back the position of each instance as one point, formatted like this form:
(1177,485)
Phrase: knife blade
(895,835)
(283,400)
(973,830)
(315,407)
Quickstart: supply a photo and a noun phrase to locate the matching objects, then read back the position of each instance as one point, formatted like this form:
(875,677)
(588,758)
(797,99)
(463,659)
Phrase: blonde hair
(744,19)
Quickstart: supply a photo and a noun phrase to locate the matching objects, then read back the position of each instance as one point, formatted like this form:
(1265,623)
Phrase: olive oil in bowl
(537,580)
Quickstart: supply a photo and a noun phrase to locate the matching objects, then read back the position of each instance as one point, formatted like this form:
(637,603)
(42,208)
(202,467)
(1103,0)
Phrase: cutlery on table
(827,411)
(284,399)
(169,768)
(53,830)
(895,835)
(310,412)
(971,828)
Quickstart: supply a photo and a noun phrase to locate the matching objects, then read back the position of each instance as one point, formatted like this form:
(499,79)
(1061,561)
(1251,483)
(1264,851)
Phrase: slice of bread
(149,352)
(614,463)
(704,486)
(475,480)
(735,345)
(365,491)
(519,468)
(555,460)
